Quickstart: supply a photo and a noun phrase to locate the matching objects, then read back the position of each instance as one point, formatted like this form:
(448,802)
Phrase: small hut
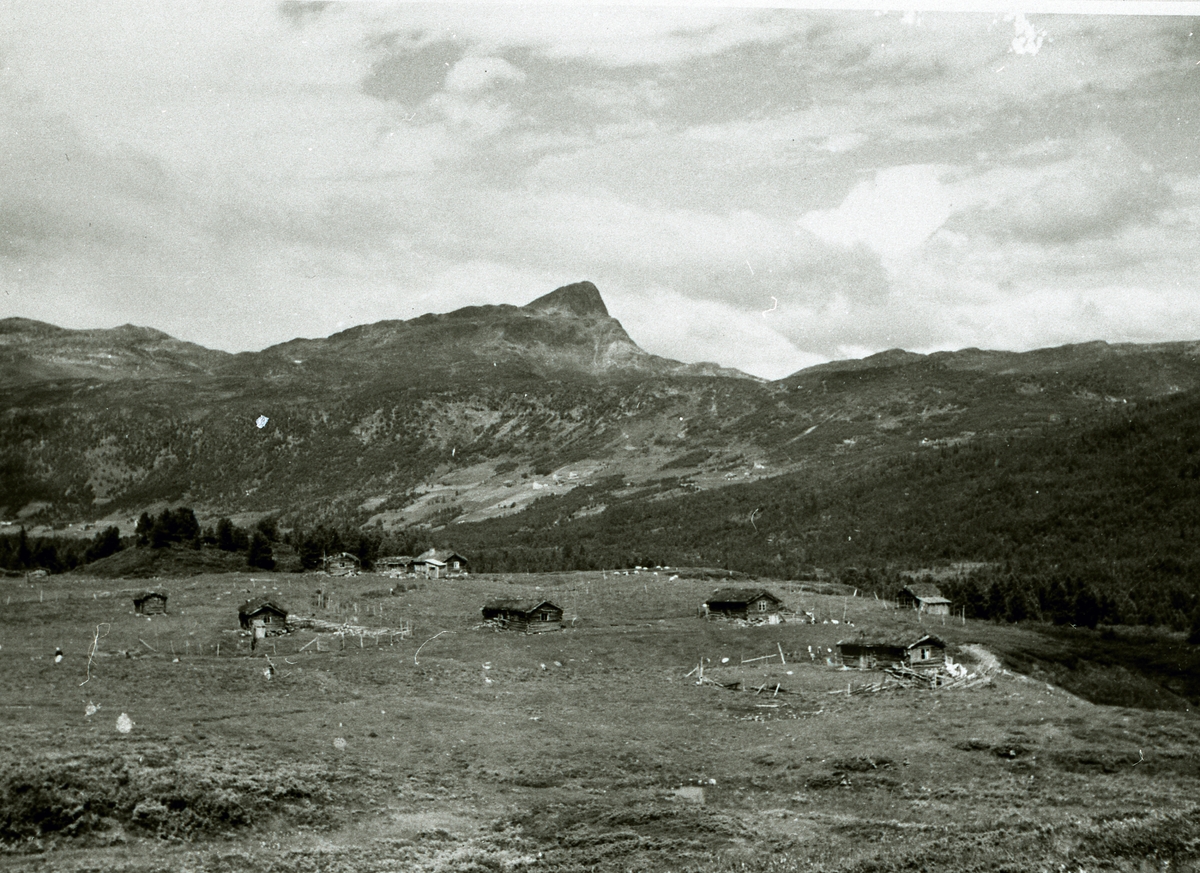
(436,561)
(150,603)
(394,565)
(863,653)
(924,597)
(531,618)
(748,603)
(870,654)
(263,612)
(341,564)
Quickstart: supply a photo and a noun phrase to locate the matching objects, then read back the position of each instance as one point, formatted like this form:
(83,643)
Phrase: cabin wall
(860,657)
(938,609)
(937,658)
(753,609)
(537,626)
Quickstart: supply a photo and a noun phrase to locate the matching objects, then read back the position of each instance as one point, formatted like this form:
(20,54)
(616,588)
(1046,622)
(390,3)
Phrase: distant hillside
(1113,505)
(564,335)
(33,351)
(537,428)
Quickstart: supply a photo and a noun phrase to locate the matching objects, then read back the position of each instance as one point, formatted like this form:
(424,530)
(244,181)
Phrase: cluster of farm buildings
(433,563)
(265,616)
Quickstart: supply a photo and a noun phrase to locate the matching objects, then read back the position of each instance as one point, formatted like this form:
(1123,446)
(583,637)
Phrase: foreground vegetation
(463,748)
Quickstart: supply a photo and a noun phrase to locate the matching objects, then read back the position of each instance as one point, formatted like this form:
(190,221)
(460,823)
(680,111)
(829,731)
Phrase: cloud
(474,74)
(891,214)
(1101,188)
(921,184)
(410,70)
(673,324)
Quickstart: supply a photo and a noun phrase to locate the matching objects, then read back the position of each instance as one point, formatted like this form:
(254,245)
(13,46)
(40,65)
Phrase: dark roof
(929,639)
(740,595)
(884,643)
(443,555)
(518,605)
(258,603)
(146,595)
(871,642)
(924,590)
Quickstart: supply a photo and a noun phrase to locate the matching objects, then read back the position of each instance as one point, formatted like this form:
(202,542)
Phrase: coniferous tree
(269,528)
(258,552)
(226,540)
(145,525)
(1087,608)
(23,553)
(105,543)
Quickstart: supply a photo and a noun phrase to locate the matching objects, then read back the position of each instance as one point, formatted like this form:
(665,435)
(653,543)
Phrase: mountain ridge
(480,412)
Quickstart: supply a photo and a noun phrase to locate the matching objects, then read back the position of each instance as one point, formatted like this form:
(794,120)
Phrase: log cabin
(150,603)
(927,653)
(924,597)
(341,564)
(442,560)
(747,603)
(394,565)
(265,612)
(531,618)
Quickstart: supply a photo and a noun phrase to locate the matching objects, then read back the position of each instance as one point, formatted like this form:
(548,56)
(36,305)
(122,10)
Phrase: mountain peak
(581,298)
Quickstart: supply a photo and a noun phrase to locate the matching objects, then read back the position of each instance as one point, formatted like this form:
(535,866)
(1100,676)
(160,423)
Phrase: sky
(760,187)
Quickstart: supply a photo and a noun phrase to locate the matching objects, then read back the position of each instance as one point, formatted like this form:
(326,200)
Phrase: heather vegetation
(165,742)
(1097,525)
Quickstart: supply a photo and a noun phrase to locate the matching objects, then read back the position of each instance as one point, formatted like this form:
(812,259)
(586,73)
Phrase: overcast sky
(763,188)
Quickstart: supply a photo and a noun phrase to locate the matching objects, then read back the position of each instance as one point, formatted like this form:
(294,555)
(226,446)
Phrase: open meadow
(458,747)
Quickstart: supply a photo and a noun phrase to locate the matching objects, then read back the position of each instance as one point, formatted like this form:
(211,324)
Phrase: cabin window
(924,654)
(762,606)
(545,616)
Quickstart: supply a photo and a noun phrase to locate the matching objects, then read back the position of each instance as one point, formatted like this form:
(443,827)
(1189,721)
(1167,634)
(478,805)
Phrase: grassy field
(465,748)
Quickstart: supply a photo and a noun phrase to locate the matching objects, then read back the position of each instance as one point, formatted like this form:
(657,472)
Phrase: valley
(461,747)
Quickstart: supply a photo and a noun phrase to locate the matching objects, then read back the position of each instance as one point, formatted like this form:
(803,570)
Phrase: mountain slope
(1112,507)
(565,335)
(33,351)
(475,414)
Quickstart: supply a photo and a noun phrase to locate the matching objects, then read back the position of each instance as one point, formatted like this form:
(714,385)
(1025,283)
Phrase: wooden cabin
(924,597)
(394,565)
(531,618)
(927,653)
(263,612)
(341,564)
(748,603)
(439,561)
(150,603)
(871,654)
(429,566)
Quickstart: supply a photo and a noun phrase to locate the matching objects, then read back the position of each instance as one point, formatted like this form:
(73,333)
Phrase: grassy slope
(489,750)
(142,563)
(1125,493)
